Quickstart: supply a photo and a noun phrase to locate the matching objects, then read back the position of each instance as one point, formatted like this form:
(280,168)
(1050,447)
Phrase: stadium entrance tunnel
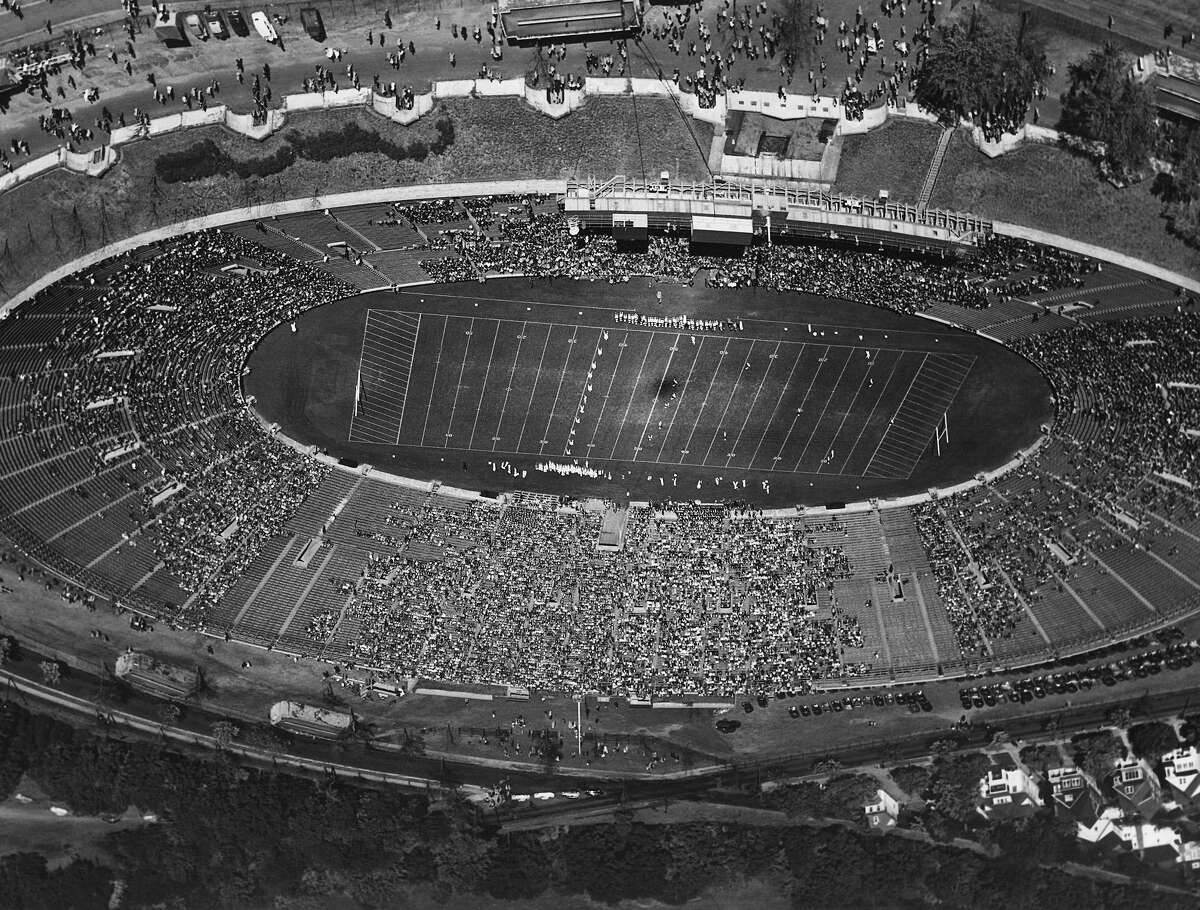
(647,391)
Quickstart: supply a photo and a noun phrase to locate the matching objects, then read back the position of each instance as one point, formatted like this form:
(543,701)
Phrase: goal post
(942,433)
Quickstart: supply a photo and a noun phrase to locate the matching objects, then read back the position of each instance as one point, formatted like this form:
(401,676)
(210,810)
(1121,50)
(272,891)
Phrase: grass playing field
(803,400)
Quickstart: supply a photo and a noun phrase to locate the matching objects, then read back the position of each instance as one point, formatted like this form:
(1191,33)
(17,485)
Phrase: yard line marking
(729,401)
(906,391)
(724,352)
(458,388)
(583,391)
(558,391)
(608,393)
(361,352)
(650,416)
(679,404)
(849,410)
(778,404)
(754,402)
(508,388)
(837,382)
(900,451)
(533,393)
(886,385)
(636,382)
(433,383)
(483,385)
(821,361)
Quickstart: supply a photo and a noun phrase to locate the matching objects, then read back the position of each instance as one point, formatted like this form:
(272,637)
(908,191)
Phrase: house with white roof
(1181,770)
(1007,793)
(882,811)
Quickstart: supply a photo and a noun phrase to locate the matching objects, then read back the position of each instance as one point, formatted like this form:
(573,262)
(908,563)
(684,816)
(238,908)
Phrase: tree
(1096,752)
(1152,740)
(1119,716)
(1040,757)
(51,672)
(5,649)
(1104,103)
(912,779)
(224,732)
(1189,730)
(954,786)
(983,72)
(1183,193)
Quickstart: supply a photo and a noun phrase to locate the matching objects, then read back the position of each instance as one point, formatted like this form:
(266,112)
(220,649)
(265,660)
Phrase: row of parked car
(1136,666)
(915,701)
(219,24)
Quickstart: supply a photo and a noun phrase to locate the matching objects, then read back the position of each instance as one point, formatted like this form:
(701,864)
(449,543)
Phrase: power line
(683,116)
(637,128)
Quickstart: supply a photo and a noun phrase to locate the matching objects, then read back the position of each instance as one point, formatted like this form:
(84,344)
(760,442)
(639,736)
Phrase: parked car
(263,26)
(196,26)
(216,25)
(310,18)
(237,23)
(169,29)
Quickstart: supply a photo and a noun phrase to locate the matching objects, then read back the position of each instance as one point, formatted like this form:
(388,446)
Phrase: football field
(661,399)
(605,389)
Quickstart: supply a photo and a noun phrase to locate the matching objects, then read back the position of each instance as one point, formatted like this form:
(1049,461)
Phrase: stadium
(600,452)
(464,438)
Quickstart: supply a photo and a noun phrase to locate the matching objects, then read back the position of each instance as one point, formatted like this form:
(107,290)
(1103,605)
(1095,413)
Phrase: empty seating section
(222,615)
(313,514)
(907,637)
(948,655)
(317,616)
(904,541)
(1064,620)
(361,276)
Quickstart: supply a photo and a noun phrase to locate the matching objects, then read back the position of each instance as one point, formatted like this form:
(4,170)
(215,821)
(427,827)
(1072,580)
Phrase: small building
(1177,87)
(1189,855)
(882,811)
(1008,793)
(310,720)
(1155,844)
(538,21)
(1137,788)
(1181,769)
(154,677)
(1075,797)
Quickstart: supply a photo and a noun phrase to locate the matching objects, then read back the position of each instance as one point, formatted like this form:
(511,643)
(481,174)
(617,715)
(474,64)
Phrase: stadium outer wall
(558,187)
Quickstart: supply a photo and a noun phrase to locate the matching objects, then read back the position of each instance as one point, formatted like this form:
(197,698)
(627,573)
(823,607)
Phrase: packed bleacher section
(129,462)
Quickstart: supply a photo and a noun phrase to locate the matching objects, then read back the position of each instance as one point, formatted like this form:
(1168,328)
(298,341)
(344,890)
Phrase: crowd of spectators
(700,600)
(1117,474)
(182,316)
(542,246)
(712,600)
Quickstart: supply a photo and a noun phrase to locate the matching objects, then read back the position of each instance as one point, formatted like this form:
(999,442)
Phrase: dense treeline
(236,837)
(206,159)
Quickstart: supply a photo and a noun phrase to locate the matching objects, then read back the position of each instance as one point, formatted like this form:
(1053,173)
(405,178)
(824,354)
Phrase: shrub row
(206,159)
